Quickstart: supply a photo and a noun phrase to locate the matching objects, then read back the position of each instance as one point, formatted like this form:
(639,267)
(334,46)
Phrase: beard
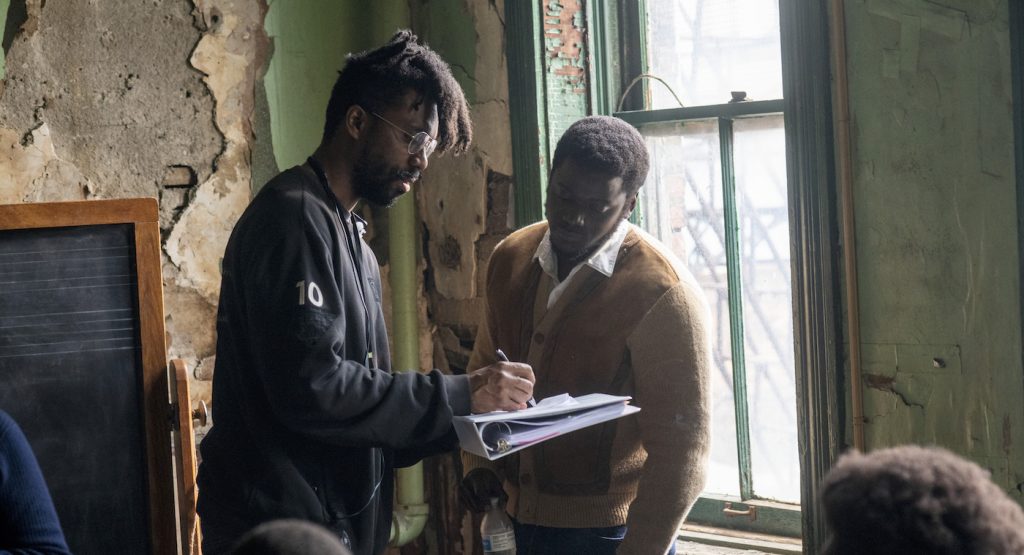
(380,184)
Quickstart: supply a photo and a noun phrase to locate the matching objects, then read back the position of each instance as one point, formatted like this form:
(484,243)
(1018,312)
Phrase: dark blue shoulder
(7,424)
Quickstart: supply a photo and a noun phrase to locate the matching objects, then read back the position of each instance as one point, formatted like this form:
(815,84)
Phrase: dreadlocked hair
(376,79)
(608,145)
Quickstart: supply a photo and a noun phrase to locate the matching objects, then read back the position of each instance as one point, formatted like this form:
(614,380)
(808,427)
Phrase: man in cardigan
(594,304)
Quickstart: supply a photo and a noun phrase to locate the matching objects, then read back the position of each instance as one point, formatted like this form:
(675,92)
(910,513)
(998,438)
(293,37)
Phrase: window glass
(760,163)
(704,49)
(681,204)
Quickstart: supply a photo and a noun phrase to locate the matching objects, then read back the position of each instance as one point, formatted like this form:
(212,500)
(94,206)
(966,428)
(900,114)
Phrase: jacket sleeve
(670,353)
(299,321)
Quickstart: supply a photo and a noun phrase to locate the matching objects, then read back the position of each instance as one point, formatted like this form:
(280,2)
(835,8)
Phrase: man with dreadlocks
(310,421)
(595,305)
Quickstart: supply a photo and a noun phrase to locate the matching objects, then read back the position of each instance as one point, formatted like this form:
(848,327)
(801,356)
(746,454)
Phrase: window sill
(748,541)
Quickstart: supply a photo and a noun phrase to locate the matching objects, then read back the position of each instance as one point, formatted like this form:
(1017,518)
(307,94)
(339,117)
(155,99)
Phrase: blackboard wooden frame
(143,215)
(185,444)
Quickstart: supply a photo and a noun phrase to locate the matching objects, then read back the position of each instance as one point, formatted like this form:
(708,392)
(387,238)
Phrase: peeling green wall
(311,39)
(937,245)
(449,30)
(5,5)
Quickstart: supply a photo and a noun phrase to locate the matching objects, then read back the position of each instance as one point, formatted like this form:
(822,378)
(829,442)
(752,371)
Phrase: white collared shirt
(603,259)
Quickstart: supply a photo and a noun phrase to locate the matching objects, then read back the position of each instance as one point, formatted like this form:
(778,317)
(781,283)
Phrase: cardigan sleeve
(670,350)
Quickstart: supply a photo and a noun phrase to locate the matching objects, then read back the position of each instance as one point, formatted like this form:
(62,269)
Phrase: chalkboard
(83,367)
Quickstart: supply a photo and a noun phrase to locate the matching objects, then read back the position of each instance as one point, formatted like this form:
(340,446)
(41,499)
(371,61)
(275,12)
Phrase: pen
(502,357)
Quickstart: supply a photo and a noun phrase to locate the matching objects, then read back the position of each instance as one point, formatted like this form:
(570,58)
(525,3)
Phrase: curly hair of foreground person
(912,500)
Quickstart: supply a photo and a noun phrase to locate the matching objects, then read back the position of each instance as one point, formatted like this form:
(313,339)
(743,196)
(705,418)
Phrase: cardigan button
(538,338)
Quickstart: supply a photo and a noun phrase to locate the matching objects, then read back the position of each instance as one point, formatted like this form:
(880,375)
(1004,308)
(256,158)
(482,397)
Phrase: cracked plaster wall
(463,201)
(937,243)
(463,204)
(105,99)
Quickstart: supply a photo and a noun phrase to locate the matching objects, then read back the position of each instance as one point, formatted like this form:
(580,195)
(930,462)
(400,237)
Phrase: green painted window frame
(810,167)
(1017,73)
(527,109)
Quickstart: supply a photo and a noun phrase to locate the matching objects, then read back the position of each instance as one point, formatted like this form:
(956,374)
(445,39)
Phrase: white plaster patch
(495,138)
(225,71)
(34,173)
(196,244)
(21,165)
(453,206)
(228,58)
(493,141)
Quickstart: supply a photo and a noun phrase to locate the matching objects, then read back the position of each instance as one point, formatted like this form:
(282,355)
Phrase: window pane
(760,163)
(705,49)
(681,204)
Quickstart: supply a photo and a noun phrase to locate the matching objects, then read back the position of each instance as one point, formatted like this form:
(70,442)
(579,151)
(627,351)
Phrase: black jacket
(307,422)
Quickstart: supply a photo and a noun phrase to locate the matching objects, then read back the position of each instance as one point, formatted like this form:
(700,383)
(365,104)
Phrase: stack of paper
(496,434)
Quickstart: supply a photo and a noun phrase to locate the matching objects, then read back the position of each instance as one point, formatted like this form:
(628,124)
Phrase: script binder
(496,434)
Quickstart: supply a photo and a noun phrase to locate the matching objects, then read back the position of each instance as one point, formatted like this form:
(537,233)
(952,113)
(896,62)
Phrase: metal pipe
(844,159)
(410,514)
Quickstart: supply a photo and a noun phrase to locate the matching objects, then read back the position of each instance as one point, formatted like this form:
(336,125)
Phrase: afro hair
(912,500)
(610,146)
(375,79)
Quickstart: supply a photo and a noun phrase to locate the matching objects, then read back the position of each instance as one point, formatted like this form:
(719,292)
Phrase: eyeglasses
(421,141)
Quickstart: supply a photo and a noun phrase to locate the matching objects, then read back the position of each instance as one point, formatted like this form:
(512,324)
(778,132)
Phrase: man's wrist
(476,381)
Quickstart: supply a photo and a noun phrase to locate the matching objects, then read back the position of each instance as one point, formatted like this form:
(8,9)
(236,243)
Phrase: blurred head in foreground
(913,500)
(289,537)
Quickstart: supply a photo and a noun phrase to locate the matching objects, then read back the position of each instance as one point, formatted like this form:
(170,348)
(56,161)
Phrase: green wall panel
(311,39)
(936,221)
(5,5)
(450,30)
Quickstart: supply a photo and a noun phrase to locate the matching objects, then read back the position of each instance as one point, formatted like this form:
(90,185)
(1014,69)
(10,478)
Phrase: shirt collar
(603,259)
(360,223)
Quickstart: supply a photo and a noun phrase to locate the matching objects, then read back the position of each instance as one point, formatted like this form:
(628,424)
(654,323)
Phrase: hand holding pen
(504,358)
(501,386)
